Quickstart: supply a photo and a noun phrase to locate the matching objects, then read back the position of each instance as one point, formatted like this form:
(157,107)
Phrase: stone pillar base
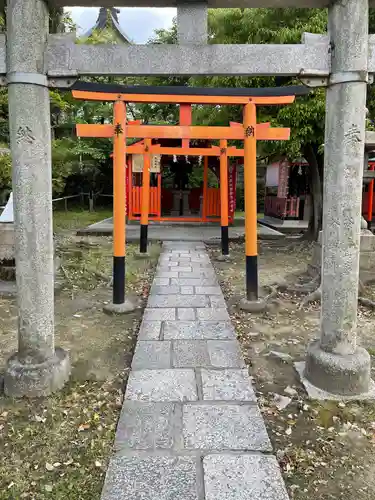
(340,376)
(224,258)
(36,380)
(7,248)
(142,255)
(253,306)
(125,308)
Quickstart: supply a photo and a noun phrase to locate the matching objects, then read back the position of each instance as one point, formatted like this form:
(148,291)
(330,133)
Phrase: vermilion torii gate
(31,61)
(249,132)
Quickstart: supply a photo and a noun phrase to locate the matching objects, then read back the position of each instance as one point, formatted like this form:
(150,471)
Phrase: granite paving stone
(211,314)
(164,290)
(162,385)
(161,281)
(181,330)
(151,478)
(224,427)
(181,269)
(161,314)
(198,330)
(202,266)
(187,290)
(227,385)
(186,314)
(225,354)
(166,274)
(208,290)
(170,261)
(147,426)
(152,354)
(204,273)
(178,301)
(194,281)
(217,301)
(243,477)
(149,330)
(190,353)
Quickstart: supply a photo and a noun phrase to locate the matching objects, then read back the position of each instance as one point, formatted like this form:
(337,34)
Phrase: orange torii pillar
(252,302)
(119,304)
(185,119)
(145,198)
(250,181)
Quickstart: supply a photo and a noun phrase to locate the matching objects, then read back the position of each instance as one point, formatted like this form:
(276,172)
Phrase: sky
(138,23)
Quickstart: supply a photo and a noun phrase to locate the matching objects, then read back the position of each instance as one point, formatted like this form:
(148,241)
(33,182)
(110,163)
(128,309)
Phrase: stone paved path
(190,427)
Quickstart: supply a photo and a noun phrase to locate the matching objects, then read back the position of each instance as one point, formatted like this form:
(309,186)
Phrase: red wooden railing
(137,197)
(282,207)
(213,202)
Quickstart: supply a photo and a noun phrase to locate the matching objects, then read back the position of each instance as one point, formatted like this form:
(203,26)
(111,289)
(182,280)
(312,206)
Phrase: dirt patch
(326,450)
(58,447)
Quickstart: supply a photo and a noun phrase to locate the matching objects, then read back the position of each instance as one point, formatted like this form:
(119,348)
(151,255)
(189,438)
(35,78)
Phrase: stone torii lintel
(212,4)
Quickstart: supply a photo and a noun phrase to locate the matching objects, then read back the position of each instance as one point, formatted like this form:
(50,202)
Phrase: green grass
(78,218)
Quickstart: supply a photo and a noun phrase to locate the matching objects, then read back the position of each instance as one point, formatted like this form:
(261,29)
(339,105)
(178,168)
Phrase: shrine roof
(101,24)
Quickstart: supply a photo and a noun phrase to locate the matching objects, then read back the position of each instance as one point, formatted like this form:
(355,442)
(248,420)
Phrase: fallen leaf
(49,466)
(83,427)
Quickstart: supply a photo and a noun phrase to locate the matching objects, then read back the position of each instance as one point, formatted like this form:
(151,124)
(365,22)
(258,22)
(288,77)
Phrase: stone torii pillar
(38,368)
(335,363)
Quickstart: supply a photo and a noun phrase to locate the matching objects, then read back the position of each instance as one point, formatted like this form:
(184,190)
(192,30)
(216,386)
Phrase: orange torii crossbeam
(249,132)
(183,132)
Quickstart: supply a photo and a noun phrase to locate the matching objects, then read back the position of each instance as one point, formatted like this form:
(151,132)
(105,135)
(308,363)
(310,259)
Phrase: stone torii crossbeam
(31,61)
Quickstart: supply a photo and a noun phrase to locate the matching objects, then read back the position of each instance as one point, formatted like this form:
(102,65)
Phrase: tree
(87,162)
(305,117)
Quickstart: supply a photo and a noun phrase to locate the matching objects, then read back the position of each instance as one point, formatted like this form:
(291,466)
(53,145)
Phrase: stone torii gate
(31,60)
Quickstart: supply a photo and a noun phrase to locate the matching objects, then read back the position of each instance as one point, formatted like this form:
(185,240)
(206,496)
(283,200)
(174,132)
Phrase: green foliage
(243,26)
(81,158)
(100,36)
(5,171)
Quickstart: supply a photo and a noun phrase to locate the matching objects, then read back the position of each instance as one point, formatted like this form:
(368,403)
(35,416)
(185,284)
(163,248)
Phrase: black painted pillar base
(251,277)
(119,304)
(118,280)
(252,303)
(143,238)
(224,240)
